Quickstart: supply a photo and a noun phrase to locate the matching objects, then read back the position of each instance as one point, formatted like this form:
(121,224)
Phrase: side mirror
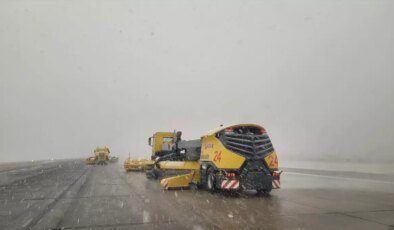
(178,136)
(150,141)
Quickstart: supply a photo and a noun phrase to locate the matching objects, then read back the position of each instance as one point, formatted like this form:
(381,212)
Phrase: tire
(151,173)
(211,182)
(193,187)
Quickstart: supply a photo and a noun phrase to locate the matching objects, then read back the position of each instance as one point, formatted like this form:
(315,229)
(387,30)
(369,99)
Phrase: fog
(79,74)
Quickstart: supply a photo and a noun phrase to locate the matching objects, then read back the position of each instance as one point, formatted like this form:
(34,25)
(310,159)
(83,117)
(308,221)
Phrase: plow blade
(181,181)
(136,165)
(180,165)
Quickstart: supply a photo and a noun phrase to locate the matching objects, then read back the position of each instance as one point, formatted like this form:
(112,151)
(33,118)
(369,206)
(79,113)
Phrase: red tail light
(277,173)
(230,174)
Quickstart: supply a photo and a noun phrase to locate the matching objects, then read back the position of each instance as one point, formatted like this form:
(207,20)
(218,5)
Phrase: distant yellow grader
(101,156)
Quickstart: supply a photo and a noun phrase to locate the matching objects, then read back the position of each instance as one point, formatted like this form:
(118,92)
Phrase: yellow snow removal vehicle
(101,156)
(238,157)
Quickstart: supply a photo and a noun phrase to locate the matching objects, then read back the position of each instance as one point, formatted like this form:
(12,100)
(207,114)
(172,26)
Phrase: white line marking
(338,177)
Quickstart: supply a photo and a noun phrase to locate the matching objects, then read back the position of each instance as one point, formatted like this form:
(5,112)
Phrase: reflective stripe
(165,184)
(275,184)
(230,184)
(225,183)
(234,185)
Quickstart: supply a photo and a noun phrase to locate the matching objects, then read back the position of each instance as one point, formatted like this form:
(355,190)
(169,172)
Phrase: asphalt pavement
(71,195)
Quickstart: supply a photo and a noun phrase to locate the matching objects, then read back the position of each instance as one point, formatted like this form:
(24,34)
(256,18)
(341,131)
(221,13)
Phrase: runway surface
(70,195)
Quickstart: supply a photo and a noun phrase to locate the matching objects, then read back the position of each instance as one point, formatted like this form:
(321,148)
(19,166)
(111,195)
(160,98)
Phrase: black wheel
(211,182)
(193,187)
(151,173)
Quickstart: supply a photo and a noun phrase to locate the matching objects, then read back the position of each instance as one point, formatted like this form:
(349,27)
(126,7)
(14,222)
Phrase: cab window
(168,139)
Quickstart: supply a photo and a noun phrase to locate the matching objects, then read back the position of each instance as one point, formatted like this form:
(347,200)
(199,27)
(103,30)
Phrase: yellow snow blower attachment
(90,161)
(131,164)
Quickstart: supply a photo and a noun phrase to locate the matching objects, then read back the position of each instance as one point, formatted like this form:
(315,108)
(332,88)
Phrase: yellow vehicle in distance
(238,157)
(101,156)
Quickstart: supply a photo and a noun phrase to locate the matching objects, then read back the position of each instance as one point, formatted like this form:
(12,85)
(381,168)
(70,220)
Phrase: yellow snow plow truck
(101,156)
(238,157)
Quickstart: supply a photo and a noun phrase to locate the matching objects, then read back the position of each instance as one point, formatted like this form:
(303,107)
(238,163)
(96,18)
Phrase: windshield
(168,139)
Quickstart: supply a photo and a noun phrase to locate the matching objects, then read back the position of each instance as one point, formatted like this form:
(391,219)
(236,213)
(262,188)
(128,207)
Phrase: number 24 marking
(218,156)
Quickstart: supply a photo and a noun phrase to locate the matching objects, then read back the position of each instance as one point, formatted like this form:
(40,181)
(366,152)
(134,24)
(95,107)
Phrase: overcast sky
(319,75)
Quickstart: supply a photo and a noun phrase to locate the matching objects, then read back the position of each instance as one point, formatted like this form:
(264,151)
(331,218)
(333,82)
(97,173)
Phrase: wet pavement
(71,195)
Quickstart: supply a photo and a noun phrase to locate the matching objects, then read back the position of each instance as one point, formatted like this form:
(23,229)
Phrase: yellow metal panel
(158,140)
(192,165)
(272,160)
(213,150)
(104,150)
(181,181)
